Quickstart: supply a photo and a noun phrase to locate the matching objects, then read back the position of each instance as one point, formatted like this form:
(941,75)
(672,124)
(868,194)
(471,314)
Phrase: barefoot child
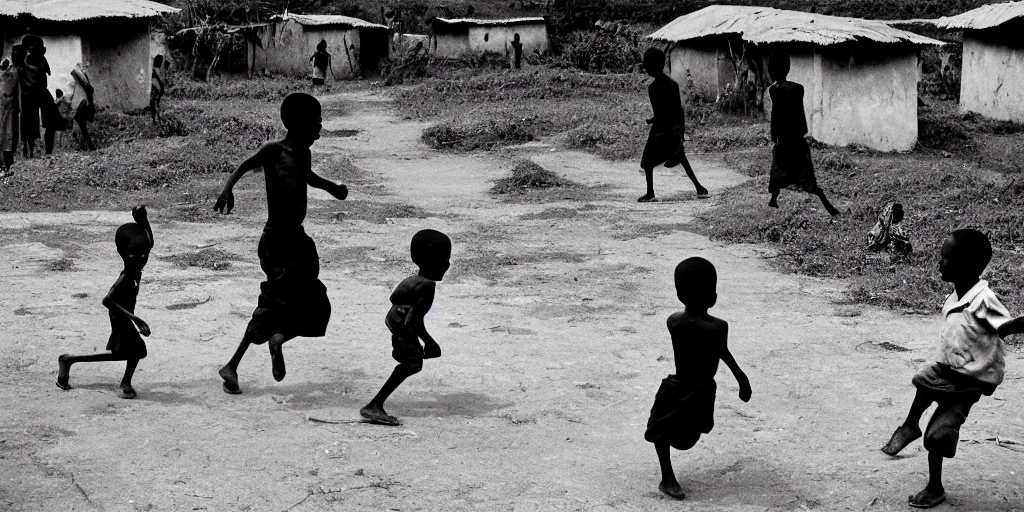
(791,156)
(410,302)
(665,142)
(293,302)
(321,62)
(969,361)
(685,404)
(133,241)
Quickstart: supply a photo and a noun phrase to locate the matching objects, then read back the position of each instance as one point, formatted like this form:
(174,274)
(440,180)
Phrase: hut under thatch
(285,44)
(860,77)
(452,38)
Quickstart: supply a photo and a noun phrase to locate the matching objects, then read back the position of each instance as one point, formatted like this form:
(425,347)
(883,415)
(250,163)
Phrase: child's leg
(127,391)
(933,493)
(48,136)
(374,411)
(669,485)
(774,201)
(649,174)
(276,355)
(824,201)
(65,361)
(230,371)
(701,191)
(910,430)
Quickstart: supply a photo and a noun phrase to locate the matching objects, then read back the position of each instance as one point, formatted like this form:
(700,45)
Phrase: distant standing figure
(517,51)
(791,156)
(28,122)
(77,107)
(157,85)
(321,62)
(10,101)
(38,69)
(665,141)
(684,407)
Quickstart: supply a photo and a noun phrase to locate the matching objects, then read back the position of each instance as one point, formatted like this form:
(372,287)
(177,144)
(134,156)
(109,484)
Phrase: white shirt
(969,342)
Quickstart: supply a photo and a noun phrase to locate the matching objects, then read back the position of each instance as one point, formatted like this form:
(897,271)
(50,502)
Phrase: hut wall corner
(992,78)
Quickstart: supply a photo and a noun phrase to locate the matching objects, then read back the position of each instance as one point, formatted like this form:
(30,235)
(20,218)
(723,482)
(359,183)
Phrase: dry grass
(209,258)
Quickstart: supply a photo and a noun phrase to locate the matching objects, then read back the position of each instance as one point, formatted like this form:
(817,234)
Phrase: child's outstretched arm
(1015,326)
(142,218)
(227,199)
(117,309)
(337,190)
(741,377)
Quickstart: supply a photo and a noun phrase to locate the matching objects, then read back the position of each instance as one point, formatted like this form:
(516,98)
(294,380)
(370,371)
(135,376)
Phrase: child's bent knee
(411,368)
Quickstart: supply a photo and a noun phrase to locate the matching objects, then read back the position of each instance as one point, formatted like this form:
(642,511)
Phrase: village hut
(992,68)
(452,38)
(110,37)
(284,45)
(860,77)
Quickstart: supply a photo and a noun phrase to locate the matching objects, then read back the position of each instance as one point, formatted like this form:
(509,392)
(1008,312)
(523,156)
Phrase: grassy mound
(526,176)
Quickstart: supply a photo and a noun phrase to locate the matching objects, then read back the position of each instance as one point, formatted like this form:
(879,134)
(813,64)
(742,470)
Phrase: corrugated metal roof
(986,16)
(330,19)
(478,21)
(78,10)
(761,25)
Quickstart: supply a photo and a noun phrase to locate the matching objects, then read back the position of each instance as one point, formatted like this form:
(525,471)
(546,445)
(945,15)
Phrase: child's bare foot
(63,372)
(672,489)
(646,198)
(377,416)
(431,351)
(230,381)
(277,359)
(773,203)
(928,497)
(702,193)
(127,391)
(903,436)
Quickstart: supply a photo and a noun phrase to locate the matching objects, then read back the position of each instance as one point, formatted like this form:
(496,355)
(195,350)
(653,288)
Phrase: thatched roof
(761,25)
(984,17)
(79,10)
(489,23)
(324,20)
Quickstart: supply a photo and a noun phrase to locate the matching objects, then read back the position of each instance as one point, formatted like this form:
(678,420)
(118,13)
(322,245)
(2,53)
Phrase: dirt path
(552,324)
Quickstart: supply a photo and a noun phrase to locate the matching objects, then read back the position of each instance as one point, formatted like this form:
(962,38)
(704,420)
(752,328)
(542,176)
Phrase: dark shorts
(792,166)
(126,341)
(318,81)
(405,344)
(29,117)
(954,394)
(292,301)
(664,146)
(682,411)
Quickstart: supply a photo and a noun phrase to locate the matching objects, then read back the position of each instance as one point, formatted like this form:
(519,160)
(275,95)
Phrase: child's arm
(337,190)
(227,199)
(1015,326)
(741,377)
(414,320)
(116,308)
(142,218)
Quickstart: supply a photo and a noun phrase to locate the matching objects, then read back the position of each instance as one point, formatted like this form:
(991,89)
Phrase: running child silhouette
(969,361)
(665,141)
(293,302)
(791,156)
(410,302)
(685,404)
(321,62)
(134,241)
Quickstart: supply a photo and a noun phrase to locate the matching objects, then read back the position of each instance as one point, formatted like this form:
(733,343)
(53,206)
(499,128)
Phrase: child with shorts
(685,404)
(969,362)
(293,302)
(410,302)
(133,241)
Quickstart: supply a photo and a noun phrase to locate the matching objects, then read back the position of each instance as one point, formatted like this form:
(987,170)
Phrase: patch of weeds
(483,134)
(61,265)
(551,214)
(190,304)
(377,213)
(611,142)
(339,133)
(209,258)
(654,230)
(528,175)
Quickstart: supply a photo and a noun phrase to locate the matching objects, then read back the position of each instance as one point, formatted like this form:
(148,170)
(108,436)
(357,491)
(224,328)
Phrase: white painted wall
(992,79)
(494,38)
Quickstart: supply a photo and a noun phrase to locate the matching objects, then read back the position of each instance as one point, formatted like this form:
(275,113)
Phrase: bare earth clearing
(552,324)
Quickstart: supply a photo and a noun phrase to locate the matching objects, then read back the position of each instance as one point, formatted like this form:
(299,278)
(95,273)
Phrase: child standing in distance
(293,302)
(517,52)
(410,302)
(969,361)
(134,242)
(791,156)
(321,61)
(10,106)
(665,141)
(158,82)
(685,404)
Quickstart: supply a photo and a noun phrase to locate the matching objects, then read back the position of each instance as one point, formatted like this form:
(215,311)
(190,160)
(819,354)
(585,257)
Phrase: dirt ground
(552,323)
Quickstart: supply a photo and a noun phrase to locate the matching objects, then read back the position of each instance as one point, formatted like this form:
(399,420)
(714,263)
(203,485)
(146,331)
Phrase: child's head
(300,114)
(696,281)
(133,245)
(654,61)
(964,256)
(778,66)
(321,46)
(431,251)
(515,37)
(158,61)
(33,44)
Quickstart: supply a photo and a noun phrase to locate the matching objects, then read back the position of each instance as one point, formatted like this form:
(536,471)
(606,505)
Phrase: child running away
(791,156)
(293,302)
(410,302)
(665,142)
(685,404)
(134,241)
(969,361)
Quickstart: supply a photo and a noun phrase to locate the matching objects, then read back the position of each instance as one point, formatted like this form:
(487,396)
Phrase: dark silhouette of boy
(517,52)
(791,156)
(685,404)
(410,302)
(293,302)
(134,241)
(665,141)
(970,360)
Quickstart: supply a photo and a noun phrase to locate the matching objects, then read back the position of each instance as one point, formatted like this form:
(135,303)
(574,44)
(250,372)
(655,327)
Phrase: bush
(485,134)
(602,51)
(527,175)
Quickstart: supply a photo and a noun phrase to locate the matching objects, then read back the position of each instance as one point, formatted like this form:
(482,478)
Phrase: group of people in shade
(293,302)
